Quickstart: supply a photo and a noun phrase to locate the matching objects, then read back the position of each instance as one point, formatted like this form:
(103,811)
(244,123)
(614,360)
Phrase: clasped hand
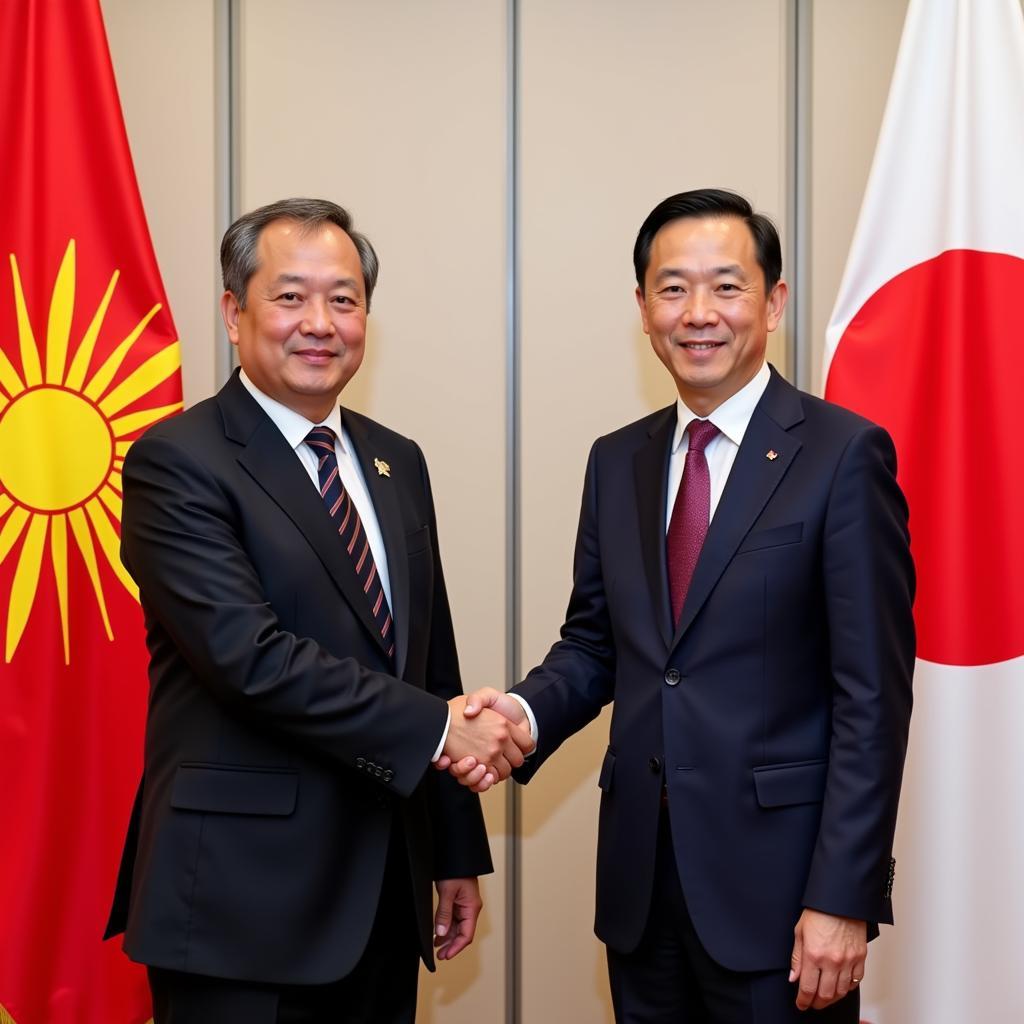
(487,738)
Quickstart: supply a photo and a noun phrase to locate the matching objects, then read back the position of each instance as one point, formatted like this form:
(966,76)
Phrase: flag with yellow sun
(88,359)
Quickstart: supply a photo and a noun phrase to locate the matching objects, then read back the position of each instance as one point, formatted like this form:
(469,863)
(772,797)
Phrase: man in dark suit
(742,591)
(303,671)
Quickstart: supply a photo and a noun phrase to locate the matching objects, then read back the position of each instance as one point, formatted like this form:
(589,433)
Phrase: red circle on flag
(936,356)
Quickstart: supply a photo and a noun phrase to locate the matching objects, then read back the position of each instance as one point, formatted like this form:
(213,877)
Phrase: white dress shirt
(732,418)
(295,429)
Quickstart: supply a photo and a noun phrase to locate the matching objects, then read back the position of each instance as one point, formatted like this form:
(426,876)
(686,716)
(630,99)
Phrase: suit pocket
(417,541)
(235,789)
(791,533)
(779,785)
(604,780)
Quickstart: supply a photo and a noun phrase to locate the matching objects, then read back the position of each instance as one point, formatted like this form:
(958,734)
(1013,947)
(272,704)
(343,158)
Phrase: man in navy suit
(303,671)
(742,591)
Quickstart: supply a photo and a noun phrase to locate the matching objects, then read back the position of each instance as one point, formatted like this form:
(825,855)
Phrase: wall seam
(513,524)
(799,56)
(227,148)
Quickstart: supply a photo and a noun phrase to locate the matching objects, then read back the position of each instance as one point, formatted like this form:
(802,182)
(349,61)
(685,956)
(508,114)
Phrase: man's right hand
(485,740)
(477,773)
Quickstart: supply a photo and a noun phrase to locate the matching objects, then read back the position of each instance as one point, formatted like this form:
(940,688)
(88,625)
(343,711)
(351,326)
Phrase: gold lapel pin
(383,469)
(771,455)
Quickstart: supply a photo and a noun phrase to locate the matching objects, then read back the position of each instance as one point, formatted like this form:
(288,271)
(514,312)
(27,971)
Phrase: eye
(288,297)
(343,300)
(727,287)
(672,289)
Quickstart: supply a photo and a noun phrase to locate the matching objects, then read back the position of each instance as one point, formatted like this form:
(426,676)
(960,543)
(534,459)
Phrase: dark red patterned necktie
(690,515)
(342,509)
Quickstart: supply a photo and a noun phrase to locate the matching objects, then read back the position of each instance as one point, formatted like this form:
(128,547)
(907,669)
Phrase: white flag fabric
(927,339)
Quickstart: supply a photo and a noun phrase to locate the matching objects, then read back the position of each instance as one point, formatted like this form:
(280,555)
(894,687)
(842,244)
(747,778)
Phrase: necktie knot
(701,434)
(321,438)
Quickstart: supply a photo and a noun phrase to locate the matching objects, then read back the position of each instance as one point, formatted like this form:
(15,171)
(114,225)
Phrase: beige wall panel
(622,105)
(396,109)
(163,57)
(854,51)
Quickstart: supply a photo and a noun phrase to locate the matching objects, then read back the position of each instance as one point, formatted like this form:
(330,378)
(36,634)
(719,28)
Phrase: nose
(700,310)
(317,320)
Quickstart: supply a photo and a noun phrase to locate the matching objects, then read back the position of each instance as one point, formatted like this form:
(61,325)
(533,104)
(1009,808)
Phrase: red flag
(926,339)
(88,358)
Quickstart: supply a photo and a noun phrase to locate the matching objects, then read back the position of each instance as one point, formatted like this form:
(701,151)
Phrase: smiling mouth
(314,353)
(701,346)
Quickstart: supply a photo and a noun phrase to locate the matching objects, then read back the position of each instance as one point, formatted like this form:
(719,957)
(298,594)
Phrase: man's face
(704,307)
(301,335)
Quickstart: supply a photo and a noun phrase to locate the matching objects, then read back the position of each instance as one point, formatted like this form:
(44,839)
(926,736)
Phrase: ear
(777,304)
(230,310)
(641,301)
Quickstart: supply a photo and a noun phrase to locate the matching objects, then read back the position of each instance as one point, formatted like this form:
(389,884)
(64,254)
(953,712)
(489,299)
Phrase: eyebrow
(341,282)
(666,273)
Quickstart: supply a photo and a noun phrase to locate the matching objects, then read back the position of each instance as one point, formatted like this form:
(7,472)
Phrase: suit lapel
(650,467)
(752,481)
(384,495)
(266,456)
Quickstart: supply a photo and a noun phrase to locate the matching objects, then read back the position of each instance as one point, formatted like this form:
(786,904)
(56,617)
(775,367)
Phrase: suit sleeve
(180,541)
(460,837)
(577,677)
(869,590)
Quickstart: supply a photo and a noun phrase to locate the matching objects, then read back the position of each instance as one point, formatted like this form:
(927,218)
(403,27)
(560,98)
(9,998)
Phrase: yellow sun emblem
(62,448)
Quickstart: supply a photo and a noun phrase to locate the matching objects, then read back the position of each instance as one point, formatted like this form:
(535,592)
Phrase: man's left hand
(828,957)
(458,907)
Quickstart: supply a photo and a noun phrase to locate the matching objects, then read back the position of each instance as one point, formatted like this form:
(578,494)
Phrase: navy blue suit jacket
(776,713)
(281,745)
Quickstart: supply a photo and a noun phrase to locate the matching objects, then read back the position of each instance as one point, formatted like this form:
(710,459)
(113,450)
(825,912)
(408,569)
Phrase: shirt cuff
(529,715)
(444,739)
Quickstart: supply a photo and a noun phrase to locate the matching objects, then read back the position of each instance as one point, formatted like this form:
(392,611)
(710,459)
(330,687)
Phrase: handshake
(489,735)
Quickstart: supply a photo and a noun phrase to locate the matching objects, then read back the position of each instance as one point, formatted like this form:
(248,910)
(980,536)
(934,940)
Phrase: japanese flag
(927,339)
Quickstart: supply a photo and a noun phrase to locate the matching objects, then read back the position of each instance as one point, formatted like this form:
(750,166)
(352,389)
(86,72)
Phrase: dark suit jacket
(777,712)
(279,747)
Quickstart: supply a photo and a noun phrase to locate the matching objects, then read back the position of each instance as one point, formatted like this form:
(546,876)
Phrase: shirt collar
(732,417)
(293,425)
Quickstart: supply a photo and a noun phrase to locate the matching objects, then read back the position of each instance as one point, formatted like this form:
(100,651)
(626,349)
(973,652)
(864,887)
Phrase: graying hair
(238,260)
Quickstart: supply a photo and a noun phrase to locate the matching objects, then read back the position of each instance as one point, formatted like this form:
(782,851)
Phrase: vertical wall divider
(799,69)
(513,508)
(227,151)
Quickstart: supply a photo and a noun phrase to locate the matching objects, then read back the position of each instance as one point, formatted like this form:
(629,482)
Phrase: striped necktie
(342,510)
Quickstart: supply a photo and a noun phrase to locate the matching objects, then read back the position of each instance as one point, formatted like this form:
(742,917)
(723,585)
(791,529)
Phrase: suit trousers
(670,978)
(381,989)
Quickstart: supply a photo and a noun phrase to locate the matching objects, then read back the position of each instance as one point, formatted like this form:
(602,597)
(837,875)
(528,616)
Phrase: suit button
(388,775)
(378,771)
(672,677)
(360,763)
(655,764)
